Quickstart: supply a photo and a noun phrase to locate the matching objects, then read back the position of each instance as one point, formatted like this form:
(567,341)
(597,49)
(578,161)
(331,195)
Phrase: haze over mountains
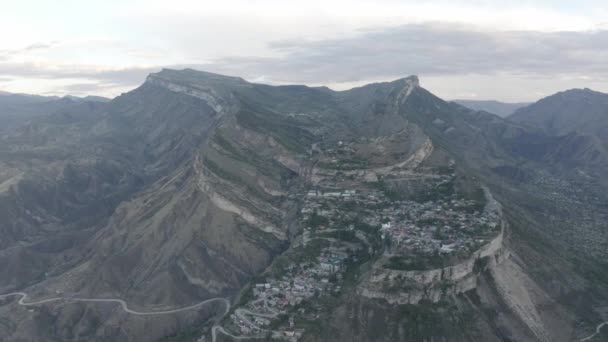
(192,185)
(501,109)
(16,109)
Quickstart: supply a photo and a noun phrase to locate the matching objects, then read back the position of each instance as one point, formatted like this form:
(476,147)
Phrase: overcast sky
(475,49)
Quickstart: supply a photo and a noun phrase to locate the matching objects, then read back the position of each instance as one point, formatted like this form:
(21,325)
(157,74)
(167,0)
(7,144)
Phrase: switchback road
(123,304)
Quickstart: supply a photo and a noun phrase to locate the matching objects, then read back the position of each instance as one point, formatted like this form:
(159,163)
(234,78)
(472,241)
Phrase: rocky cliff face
(188,186)
(433,285)
(206,209)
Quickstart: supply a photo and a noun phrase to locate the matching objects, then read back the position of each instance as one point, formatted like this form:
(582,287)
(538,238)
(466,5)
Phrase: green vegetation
(267,240)
(190,333)
(426,320)
(441,191)
(233,178)
(268,167)
(278,321)
(390,192)
(444,170)
(228,147)
(7,325)
(480,264)
(346,163)
(284,130)
(315,221)
(344,235)
(602,336)
(298,255)
(416,262)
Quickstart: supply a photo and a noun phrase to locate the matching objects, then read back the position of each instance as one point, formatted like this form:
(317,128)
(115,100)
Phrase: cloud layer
(435,51)
(430,50)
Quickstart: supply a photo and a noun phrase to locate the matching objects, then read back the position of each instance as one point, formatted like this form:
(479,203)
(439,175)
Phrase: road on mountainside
(598,329)
(122,303)
(221,329)
(240,313)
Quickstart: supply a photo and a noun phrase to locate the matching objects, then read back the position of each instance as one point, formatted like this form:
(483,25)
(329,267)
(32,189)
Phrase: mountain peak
(192,76)
(580,110)
(577,92)
(412,80)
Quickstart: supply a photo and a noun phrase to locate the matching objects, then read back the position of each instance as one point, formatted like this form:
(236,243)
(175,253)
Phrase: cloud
(121,76)
(7,54)
(429,49)
(456,53)
(88,88)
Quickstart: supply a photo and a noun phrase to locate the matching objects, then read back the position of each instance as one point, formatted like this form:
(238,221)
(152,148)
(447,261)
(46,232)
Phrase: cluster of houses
(447,226)
(299,283)
(441,226)
(333,203)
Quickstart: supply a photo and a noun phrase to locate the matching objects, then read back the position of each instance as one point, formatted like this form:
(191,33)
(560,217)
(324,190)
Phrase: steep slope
(208,205)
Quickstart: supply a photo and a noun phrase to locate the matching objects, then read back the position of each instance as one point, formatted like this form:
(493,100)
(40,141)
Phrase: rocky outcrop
(206,94)
(410,287)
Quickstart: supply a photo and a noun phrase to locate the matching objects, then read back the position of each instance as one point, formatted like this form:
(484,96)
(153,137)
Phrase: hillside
(198,186)
(576,110)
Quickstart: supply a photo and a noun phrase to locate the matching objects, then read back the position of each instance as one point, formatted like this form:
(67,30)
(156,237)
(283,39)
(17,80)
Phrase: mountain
(502,109)
(15,109)
(575,110)
(380,213)
(6,97)
(89,98)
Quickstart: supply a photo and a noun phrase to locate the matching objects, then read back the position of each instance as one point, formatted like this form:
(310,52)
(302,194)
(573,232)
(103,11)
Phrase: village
(346,221)
(350,221)
(447,225)
(275,298)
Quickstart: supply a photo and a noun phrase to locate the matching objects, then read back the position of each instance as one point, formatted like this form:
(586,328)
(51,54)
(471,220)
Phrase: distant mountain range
(16,109)
(502,109)
(13,98)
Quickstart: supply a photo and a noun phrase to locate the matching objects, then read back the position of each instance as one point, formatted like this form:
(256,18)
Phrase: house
(331,194)
(448,248)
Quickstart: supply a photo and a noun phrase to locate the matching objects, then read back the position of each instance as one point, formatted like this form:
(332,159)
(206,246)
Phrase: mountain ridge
(582,110)
(502,109)
(191,185)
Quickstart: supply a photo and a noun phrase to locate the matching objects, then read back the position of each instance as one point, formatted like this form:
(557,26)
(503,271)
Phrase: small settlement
(344,224)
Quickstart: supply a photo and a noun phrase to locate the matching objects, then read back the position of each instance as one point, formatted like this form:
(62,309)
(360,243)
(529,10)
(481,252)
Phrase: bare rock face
(187,187)
(433,285)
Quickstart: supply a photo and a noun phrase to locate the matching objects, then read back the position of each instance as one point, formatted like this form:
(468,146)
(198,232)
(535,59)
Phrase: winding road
(598,329)
(122,303)
(221,329)
(241,314)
